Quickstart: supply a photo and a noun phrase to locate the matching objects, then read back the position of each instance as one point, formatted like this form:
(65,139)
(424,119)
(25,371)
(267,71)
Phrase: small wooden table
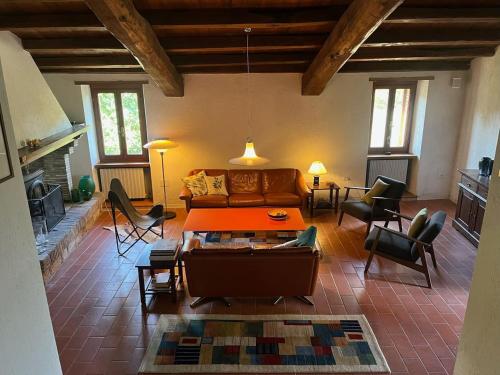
(143,263)
(331,186)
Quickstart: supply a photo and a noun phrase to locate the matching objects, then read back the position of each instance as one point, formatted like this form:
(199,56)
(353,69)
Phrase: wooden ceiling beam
(179,45)
(444,15)
(358,22)
(419,53)
(398,66)
(135,33)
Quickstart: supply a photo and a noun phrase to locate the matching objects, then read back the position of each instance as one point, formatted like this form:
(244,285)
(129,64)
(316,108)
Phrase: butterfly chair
(403,249)
(140,223)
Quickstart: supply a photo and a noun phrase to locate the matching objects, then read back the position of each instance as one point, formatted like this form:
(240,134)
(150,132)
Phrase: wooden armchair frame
(422,248)
(376,200)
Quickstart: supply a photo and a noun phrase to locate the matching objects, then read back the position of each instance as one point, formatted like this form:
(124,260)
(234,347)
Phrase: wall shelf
(50,144)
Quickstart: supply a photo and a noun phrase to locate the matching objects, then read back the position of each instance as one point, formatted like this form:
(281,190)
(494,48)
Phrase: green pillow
(307,237)
(377,190)
(418,223)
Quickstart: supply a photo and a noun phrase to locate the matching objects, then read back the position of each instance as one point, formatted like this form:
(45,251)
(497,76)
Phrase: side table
(331,186)
(143,263)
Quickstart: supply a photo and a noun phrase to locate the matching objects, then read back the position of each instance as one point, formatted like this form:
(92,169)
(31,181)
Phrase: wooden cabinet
(471,204)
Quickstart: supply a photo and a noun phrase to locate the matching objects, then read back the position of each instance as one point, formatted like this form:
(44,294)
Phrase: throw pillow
(307,237)
(376,191)
(216,185)
(418,223)
(196,183)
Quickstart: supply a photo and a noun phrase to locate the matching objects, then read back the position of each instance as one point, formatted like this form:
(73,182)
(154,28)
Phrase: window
(120,122)
(392,108)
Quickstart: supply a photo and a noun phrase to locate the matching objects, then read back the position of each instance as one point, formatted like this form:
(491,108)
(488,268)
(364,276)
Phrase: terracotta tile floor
(100,329)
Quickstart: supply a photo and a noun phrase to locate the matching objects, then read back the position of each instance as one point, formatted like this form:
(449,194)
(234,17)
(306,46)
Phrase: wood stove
(45,200)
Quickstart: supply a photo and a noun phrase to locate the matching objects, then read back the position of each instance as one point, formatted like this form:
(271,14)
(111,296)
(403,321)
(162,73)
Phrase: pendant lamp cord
(249,118)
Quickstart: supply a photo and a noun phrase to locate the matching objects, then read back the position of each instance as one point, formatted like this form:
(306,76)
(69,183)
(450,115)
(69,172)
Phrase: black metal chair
(389,200)
(405,250)
(145,223)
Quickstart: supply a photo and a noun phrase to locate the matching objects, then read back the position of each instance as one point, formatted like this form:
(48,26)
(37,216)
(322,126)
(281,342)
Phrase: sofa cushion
(282,199)
(216,185)
(278,180)
(209,201)
(392,244)
(244,181)
(212,172)
(246,200)
(196,183)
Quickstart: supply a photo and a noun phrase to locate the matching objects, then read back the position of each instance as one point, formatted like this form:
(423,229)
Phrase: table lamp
(317,168)
(161,146)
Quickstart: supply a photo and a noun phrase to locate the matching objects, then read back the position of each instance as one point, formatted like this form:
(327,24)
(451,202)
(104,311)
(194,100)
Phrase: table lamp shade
(317,168)
(161,145)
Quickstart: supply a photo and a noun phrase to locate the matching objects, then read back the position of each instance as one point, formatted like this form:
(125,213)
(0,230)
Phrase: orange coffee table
(241,219)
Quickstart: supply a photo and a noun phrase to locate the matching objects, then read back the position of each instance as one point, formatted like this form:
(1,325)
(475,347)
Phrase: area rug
(263,344)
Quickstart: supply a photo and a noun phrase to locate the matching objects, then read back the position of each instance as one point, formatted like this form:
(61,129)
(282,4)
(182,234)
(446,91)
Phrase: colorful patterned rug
(263,344)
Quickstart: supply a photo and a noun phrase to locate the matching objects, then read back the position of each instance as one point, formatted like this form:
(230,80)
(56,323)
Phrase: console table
(471,204)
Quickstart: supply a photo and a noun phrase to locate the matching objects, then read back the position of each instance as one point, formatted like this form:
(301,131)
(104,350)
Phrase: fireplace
(44,199)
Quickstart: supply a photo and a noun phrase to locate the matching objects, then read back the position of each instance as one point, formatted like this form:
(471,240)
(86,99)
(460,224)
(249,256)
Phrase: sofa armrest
(301,186)
(185,194)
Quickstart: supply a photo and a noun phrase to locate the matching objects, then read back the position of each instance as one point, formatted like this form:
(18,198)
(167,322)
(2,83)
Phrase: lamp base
(316,180)
(169,215)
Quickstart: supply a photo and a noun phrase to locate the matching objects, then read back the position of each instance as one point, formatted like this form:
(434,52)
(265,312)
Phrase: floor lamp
(161,146)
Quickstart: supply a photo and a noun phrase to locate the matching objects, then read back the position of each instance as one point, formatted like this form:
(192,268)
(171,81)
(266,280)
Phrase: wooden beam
(178,45)
(358,22)
(444,15)
(134,32)
(420,53)
(408,66)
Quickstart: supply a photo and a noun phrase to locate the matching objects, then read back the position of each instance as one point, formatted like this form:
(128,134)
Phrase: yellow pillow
(376,191)
(417,224)
(216,185)
(196,183)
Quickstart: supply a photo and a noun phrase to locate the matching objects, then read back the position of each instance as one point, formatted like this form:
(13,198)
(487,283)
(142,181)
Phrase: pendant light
(249,157)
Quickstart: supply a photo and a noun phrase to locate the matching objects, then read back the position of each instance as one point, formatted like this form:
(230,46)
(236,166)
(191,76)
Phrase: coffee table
(240,219)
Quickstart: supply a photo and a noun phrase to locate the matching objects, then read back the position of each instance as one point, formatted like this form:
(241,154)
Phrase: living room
(410,96)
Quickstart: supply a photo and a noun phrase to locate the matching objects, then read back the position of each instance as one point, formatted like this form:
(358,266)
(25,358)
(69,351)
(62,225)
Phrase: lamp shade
(249,157)
(317,168)
(161,145)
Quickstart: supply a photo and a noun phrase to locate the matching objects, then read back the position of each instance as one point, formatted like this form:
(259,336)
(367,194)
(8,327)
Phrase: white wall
(481,119)
(210,123)
(27,344)
(35,111)
(478,348)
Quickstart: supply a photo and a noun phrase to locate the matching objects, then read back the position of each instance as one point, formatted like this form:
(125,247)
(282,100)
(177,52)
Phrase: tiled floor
(100,329)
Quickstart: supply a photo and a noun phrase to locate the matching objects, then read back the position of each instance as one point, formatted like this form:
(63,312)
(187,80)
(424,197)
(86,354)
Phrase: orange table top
(240,219)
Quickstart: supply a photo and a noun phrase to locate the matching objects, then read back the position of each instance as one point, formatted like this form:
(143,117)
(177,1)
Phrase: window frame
(392,86)
(117,88)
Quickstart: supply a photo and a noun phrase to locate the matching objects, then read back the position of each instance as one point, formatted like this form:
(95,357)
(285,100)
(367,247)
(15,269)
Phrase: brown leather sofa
(279,272)
(284,187)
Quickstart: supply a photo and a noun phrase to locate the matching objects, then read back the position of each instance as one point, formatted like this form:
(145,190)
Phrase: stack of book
(161,281)
(162,250)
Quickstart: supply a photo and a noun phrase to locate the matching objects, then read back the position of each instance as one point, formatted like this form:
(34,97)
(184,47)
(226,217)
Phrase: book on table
(162,250)
(161,280)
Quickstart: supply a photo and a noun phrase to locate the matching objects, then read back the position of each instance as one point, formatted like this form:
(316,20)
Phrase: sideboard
(471,204)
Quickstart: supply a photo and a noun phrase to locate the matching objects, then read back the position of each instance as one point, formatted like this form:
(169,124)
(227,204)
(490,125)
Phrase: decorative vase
(87,187)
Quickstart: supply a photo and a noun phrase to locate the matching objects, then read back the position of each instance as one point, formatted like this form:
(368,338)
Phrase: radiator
(132,180)
(393,168)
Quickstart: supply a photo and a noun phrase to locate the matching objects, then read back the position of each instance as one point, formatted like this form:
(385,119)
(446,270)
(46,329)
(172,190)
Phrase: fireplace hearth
(44,199)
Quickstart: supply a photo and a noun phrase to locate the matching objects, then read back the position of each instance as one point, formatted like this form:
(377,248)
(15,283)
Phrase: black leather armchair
(405,250)
(389,200)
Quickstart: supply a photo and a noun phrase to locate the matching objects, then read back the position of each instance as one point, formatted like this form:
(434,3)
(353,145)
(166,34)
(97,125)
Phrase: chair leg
(386,224)
(306,300)
(278,300)
(368,227)
(400,225)
(372,251)
(424,265)
(341,216)
(433,257)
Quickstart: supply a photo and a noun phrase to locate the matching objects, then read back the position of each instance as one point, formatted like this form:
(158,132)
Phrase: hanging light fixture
(249,157)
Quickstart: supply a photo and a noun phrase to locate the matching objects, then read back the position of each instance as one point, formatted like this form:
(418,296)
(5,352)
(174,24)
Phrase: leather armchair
(279,272)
